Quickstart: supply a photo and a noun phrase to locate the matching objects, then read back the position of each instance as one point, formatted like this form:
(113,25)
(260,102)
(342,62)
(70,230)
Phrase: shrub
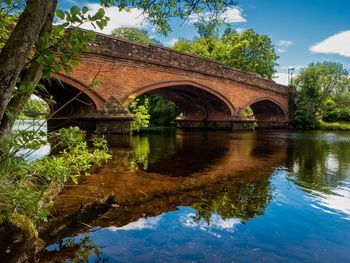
(28,188)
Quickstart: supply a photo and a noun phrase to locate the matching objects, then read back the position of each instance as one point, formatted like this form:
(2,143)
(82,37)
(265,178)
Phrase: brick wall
(122,49)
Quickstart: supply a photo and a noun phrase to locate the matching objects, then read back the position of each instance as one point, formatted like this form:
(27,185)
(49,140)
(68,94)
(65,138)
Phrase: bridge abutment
(95,124)
(233,125)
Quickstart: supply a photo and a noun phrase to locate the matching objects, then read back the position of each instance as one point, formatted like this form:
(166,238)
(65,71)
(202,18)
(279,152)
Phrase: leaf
(60,14)
(90,35)
(75,10)
(85,9)
(100,14)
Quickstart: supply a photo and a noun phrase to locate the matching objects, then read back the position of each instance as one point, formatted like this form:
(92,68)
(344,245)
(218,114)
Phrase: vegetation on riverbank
(337,126)
(28,188)
(322,96)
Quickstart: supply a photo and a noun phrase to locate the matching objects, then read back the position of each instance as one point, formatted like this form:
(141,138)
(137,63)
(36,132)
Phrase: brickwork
(204,89)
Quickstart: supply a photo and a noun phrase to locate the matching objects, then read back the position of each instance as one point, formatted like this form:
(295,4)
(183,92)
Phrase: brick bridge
(210,94)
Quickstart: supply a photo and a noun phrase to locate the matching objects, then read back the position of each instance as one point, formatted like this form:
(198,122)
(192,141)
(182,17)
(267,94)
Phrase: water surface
(185,196)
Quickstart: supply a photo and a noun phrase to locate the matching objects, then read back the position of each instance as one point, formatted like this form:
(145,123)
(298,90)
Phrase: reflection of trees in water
(245,202)
(160,146)
(178,155)
(317,163)
(71,250)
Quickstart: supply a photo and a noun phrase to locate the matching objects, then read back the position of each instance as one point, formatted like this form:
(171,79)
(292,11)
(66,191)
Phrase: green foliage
(159,12)
(337,108)
(162,112)
(314,90)
(35,108)
(304,118)
(247,51)
(135,35)
(7,23)
(338,126)
(247,113)
(27,188)
(141,114)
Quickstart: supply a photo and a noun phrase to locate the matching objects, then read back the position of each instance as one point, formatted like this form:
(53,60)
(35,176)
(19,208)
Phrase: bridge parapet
(113,47)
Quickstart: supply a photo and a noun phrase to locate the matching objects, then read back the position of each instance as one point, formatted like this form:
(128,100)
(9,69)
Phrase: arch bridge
(209,94)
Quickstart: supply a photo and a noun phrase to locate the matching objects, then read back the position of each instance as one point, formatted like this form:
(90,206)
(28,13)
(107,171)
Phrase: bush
(141,115)
(335,112)
(28,188)
(305,119)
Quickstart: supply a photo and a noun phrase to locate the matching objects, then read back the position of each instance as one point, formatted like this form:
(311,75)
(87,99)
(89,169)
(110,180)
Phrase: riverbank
(338,126)
(28,186)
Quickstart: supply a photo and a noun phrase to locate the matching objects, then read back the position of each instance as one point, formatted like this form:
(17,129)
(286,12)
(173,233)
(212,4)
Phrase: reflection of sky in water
(141,224)
(307,220)
(216,223)
(32,125)
(332,163)
(292,229)
(337,203)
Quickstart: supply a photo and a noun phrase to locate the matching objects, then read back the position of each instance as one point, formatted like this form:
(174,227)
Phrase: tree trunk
(19,45)
(32,76)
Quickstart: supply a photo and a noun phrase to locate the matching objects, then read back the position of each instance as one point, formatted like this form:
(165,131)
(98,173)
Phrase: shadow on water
(180,181)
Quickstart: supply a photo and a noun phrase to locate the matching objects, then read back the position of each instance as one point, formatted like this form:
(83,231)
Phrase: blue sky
(303,31)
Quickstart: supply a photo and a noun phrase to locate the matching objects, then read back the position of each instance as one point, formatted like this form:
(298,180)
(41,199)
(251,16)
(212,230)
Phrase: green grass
(340,126)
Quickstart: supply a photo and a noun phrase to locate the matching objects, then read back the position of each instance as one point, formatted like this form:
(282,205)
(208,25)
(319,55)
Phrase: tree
(162,112)
(17,52)
(247,51)
(313,87)
(135,35)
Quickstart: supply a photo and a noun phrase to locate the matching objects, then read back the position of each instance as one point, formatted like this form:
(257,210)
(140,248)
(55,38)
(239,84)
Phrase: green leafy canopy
(247,51)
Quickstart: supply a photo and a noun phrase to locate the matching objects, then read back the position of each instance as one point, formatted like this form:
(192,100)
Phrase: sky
(303,31)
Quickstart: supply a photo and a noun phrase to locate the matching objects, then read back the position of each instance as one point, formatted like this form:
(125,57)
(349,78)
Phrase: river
(191,196)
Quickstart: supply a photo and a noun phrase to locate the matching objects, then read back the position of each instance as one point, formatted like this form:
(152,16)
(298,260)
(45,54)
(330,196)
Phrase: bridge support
(236,125)
(99,125)
(272,125)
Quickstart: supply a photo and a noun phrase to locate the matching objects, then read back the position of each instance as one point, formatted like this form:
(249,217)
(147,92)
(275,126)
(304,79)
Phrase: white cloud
(336,44)
(296,67)
(133,18)
(216,223)
(282,45)
(281,78)
(285,43)
(240,30)
(142,223)
(230,15)
(337,202)
(171,42)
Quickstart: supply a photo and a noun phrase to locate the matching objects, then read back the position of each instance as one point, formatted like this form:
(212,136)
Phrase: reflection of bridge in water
(232,169)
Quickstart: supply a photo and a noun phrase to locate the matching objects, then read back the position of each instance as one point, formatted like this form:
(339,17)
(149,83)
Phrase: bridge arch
(68,99)
(197,102)
(267,110)
(71,82)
